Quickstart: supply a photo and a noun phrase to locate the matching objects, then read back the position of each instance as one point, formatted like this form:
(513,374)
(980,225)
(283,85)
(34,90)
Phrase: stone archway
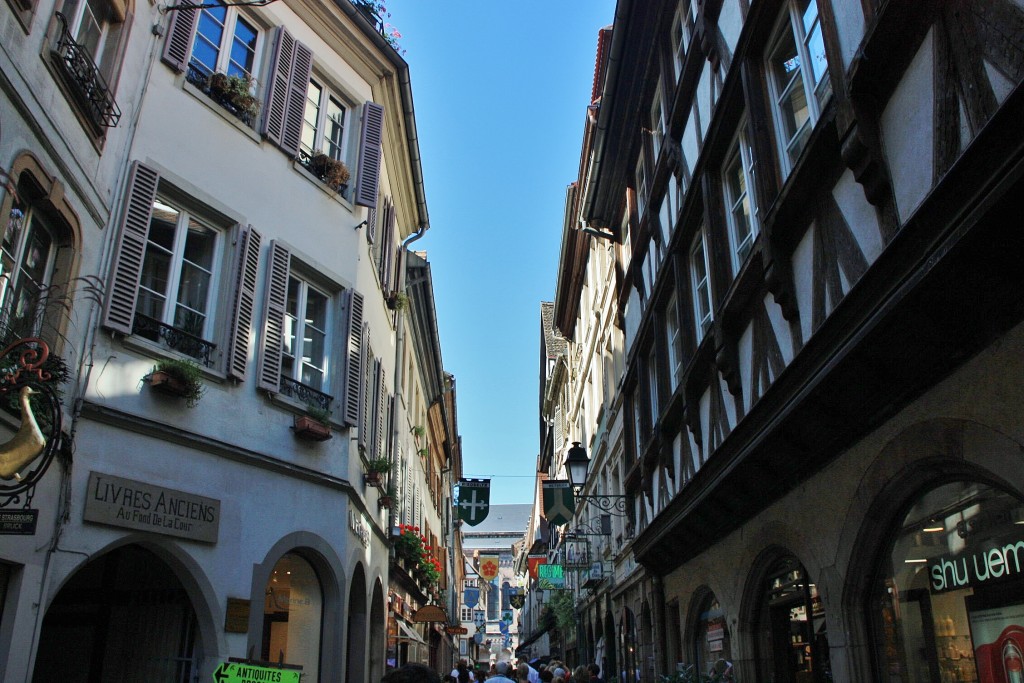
(123,616)
(355,650)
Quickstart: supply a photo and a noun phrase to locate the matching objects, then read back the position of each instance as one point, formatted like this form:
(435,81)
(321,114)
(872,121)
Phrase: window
(638,429)
(652,387)
(675,343)
(641,186)
(658,126)
(792,640)
(26,267)
(739,199)
(178,278)
(682,29)
(798,77)
(293,608)
(306,334)
(89,47)
(323,125)
(225,43)
(701,284)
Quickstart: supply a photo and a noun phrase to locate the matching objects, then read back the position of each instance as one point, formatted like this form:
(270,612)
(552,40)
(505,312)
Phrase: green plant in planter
(424,452)
(379,465)
(237,91)
(186,374)
(419,431)
(333,172)
(321,415)
(398,301)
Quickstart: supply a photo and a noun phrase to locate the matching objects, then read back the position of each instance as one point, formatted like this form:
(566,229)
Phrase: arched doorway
(124,616)
(628,660)
(293,606)
(355,668)
(378,628)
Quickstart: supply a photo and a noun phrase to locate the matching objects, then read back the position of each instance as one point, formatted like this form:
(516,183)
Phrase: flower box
(308,429)
(374,479)
(166,384)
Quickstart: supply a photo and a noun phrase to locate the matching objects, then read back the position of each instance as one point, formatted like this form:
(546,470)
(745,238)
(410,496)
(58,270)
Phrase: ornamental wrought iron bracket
(610,504)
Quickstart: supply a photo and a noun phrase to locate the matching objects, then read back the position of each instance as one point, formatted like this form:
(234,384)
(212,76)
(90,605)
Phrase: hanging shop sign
(27,380)
(243,672)
(534,561)
(136,505)
(977,565)
(550,576)
(470,597)
(456,630)
(489,566)
(479,618)
(517,600)
(559,502)
(429,614)
(474,500)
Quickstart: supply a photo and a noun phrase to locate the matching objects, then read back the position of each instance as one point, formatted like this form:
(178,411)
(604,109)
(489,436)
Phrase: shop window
(792,638)
(293,615)
(947,603)
(711,641)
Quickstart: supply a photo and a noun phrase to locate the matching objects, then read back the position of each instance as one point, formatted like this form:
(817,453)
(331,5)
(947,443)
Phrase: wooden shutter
(126,268)
(371,225)
(381,403)
(302,69)
(272,343)
(278,83)
(247,264)
(387,250)
(290,68)
(370,139)
(353,328)
(180,35)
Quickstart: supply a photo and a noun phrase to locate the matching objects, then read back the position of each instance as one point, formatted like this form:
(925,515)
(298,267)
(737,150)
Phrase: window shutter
(276,105)
(353,356)
(180,35)
(272,346)
(387,247)
(126,269)
(248,264)
(370,139)
(371,225)
(381,403)
(302,69)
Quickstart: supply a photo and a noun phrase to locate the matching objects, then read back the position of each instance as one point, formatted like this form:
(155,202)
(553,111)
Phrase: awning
(409,633)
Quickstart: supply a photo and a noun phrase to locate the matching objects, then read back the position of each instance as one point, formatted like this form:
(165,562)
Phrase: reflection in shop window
(947,603)
(292,616)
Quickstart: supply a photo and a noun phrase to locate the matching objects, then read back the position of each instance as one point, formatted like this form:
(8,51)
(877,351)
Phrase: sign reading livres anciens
(136,505)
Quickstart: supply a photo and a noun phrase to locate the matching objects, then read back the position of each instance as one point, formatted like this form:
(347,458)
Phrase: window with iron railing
(77,48)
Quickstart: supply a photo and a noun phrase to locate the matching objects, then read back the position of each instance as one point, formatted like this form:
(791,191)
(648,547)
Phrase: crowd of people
(553,671)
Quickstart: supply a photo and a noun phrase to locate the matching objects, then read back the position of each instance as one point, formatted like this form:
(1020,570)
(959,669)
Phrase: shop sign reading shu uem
(977,565)
(136,505)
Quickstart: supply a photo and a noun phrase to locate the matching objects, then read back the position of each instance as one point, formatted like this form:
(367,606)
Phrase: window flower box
(179,378)
(310,429)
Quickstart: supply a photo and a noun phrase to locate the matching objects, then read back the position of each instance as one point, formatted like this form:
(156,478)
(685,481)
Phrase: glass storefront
(293,615)
(793,641)
(948,603)
(712,641)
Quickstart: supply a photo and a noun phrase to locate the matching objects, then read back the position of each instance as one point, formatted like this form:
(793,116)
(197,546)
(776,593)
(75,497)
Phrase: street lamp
(578,465)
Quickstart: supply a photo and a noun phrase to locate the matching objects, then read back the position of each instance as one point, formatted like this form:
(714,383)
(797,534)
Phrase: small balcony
(305,394)
(84,78)
(174,338)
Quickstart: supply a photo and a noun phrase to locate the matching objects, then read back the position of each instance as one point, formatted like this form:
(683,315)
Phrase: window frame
(740,157)
(641,180)
(328,93)
(306,285)
(816,95)
(674,337)
(224,59)
(31,220)
(704,320)
(658,121)
(177,258)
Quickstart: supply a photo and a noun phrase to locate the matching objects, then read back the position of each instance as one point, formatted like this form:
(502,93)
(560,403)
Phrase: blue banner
(470,597)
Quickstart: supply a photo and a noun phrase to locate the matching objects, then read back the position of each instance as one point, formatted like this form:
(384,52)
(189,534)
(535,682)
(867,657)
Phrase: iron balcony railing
(305,393)
(174,338)
(85,78)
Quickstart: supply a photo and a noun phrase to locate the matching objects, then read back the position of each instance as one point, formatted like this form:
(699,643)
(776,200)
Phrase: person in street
(523,673)
(581,674)
(501,671)
(595,672)
(411,673)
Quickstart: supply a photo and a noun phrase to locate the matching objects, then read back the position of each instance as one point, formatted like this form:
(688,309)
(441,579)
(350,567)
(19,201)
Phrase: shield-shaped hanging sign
(489,566)
(478,638)
(471,596)
(559,503)
(517,600)
(474,500)
(503,627)
(479,618)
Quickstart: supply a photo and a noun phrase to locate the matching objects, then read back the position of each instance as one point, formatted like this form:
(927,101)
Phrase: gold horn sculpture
(26,444)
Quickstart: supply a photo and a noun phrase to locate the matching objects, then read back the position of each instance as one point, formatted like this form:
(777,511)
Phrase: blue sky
(501,90)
